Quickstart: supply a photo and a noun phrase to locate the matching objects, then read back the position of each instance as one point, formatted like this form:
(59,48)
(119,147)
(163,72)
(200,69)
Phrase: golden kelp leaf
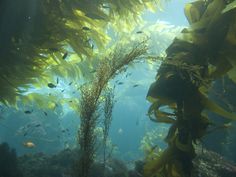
(229,7)
(211,106)
(164,117)
(192,13)
(154,96)
(153,167)
(151,6)
(154,106)
(38,40)
(223,64)
(188,147)
(232,74)
(231,36)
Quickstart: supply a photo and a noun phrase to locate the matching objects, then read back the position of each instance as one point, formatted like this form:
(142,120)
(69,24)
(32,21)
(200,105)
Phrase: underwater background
(44,122)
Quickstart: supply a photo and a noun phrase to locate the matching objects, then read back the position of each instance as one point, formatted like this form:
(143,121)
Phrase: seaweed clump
(91,101)
(203,52)
(8,162)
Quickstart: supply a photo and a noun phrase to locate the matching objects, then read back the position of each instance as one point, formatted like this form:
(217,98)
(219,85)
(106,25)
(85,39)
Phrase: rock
(211,164)
(206,164)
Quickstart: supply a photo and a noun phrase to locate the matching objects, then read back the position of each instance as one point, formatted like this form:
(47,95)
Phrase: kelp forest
(70,54)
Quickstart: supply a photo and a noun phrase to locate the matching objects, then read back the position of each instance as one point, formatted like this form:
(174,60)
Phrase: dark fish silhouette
(65,55)
(139,32)
(51,85)
(28,112)
(135,85)
(86,28)
(45,113)
(120,83)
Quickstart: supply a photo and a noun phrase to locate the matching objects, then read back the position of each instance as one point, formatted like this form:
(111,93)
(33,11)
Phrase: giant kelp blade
(212,106)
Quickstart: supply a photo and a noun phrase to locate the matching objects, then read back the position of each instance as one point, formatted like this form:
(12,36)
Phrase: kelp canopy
(201,53)
(36,34)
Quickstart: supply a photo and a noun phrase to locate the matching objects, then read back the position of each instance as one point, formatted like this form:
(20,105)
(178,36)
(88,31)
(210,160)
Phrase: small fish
(65,55)
(63,90)
(70,83)
(57,80)
(28,112)
(120,83)
(92,46)
(128,74)
(29,144)
(120,130)
(45,113)
(227,125)
(94,16)
(37,125)
(135,85)
(51,85)
(26,133)
(86,28)
(139,32)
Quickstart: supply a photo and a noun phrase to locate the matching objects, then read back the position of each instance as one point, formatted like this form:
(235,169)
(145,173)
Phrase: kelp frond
(36,34)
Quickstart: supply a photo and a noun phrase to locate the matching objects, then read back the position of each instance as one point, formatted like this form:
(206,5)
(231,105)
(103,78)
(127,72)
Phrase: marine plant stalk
(90,103)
